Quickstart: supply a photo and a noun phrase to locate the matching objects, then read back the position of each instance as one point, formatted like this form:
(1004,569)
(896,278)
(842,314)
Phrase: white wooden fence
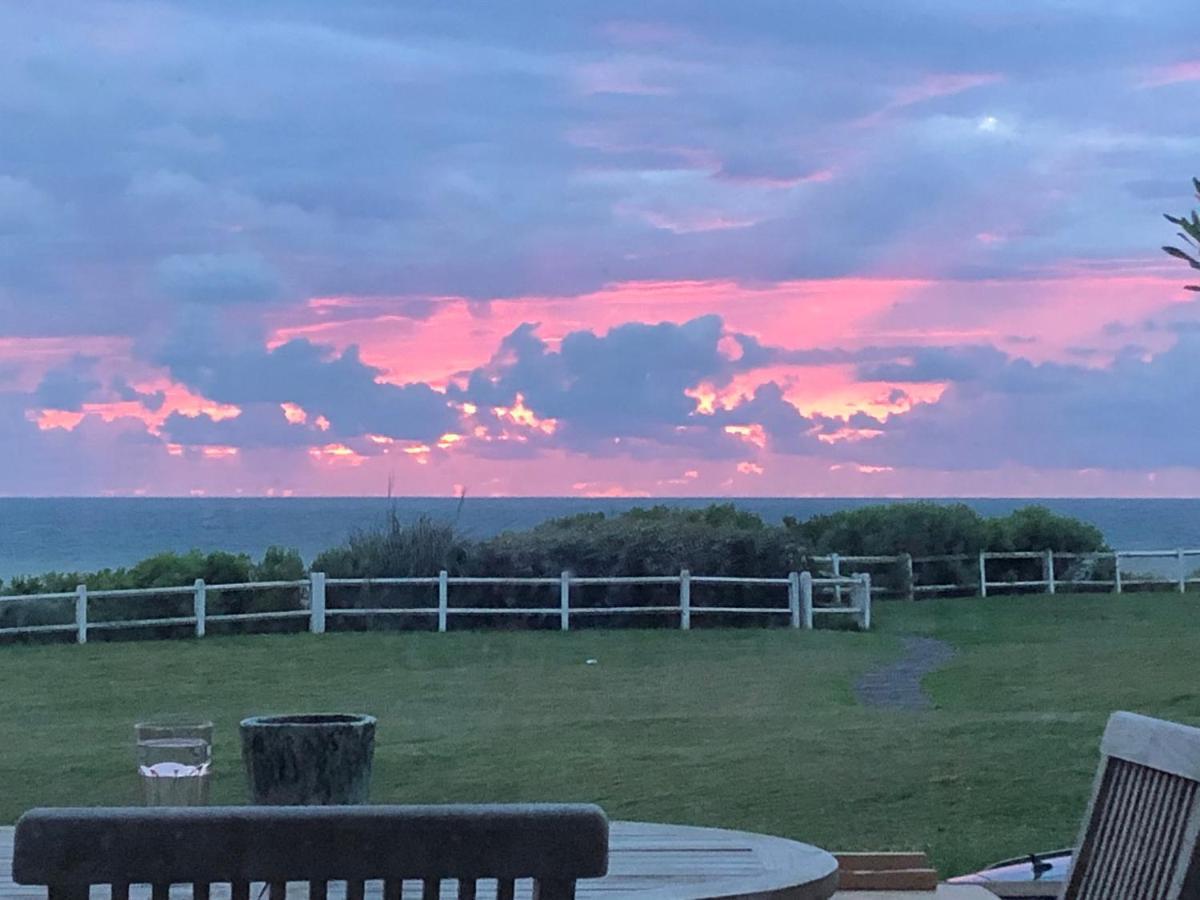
(848,594)
(313,606)
(1184,562)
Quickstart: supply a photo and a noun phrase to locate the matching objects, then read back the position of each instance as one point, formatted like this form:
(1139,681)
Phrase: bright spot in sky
(989,123)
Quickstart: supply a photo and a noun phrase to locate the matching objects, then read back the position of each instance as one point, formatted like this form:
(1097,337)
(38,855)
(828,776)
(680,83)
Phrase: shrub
(395,549)
(279,564)
(717,540)
(1037,528)
(954,529)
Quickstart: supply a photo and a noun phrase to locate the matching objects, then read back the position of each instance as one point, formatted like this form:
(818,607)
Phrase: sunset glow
(671,251)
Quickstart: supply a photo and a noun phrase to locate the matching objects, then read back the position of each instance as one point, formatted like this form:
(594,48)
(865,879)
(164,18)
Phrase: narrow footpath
(898,685)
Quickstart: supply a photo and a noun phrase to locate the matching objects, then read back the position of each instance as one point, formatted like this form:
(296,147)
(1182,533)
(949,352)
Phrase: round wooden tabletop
(683,862)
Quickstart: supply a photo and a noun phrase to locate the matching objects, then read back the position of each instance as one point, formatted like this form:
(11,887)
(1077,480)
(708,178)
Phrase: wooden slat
(881,860)
(888,880)
(1141,827)
(548,889)
(505,889)
(909,871)
(943,892)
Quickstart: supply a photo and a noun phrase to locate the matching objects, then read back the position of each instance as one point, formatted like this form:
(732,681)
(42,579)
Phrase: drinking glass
(174,760)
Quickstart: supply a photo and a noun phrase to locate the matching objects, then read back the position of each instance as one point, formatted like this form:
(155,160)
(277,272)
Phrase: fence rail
(848,593)
(1185,574)
(312,593)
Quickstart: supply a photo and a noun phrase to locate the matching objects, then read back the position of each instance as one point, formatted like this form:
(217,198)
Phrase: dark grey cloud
(68,387)
(497,152)
(323,382)
(218,278)
(258,425)
(151,400)
(630,382)
(1136,414)
(928,364)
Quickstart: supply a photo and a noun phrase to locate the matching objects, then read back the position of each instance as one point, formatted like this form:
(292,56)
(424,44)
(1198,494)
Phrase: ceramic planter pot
(300,760)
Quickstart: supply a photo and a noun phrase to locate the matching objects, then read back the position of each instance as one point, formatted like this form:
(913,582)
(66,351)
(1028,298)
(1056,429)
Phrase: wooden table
(646,862)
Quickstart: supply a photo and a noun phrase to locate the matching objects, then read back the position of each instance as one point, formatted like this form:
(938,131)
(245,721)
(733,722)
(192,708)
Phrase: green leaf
(1179,254)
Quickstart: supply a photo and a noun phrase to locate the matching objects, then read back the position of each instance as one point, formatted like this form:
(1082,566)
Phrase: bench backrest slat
(553,845)
(1139,835)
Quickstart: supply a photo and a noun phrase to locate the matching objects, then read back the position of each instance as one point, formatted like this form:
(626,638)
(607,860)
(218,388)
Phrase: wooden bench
(67,850)
(1139,833)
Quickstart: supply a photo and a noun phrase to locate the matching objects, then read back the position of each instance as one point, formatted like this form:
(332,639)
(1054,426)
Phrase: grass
(743,728)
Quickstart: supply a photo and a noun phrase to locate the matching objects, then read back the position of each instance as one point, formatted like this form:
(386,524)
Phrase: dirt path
(898,684)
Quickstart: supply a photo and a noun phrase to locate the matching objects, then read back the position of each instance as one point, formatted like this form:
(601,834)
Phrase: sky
(597,249)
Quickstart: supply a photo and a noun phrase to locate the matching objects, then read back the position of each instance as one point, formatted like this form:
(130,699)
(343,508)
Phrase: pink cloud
(618,77)
(456,337)
(930,87)
(816,176)
(1175,73)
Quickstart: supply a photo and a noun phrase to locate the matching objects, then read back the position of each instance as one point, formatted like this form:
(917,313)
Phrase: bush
(395,550)
(162,570)
(922,529)
(279,564)
(717,540)
(954,529)
(1037,528)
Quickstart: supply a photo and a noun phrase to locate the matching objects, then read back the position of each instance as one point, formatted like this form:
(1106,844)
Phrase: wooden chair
(1139,835)
(67,850)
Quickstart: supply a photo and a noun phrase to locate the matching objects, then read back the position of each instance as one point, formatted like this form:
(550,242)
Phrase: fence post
(806,600)
(982,575)
(835,563)
(794,597)
(443,599)
(81,613)
(564,600)
(316,615)
(1048,570)
(908,571)
(200,606)
(864,601)
(685,599)
(1117,572)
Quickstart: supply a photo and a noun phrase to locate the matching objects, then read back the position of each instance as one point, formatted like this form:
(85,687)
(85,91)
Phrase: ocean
(82,534)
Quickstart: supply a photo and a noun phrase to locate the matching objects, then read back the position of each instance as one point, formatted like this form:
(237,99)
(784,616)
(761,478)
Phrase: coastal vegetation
(720,539)
(717,539)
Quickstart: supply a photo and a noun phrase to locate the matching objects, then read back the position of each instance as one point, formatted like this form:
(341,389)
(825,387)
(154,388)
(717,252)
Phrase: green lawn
(746,728)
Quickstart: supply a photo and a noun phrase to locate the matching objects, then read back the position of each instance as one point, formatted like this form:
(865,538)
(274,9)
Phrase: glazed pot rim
(309,720)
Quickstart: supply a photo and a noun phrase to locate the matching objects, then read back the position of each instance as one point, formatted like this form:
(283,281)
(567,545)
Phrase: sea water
(87,533)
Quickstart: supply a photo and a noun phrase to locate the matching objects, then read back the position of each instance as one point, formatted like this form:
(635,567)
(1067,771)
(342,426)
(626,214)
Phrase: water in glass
(174,760)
